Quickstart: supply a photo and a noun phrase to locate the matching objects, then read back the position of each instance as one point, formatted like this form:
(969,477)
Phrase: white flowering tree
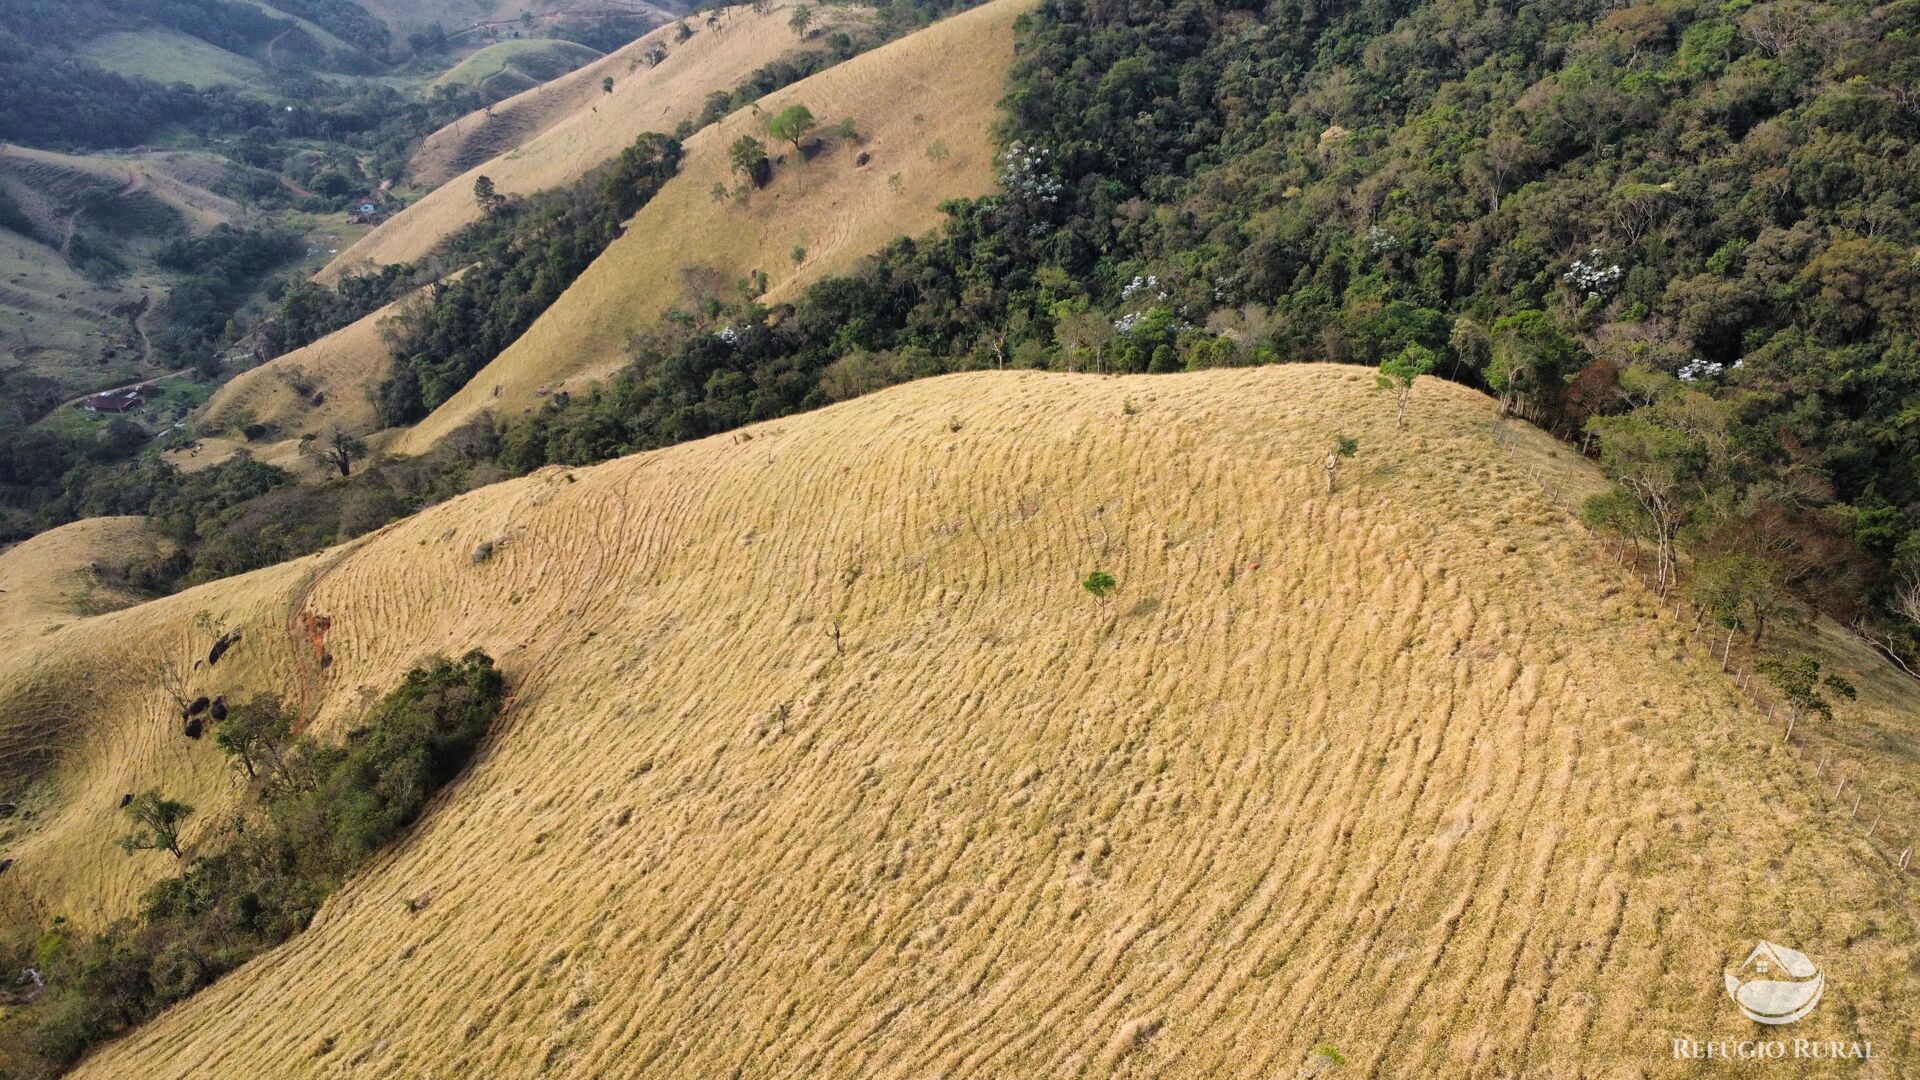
(1026,174)
(1593,276)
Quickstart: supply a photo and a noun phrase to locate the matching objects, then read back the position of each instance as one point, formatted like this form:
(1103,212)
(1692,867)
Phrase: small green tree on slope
(1398,372)
(1343,447)
(748,157)
(255,735)
(791,125)
(157,820)
(1800,682)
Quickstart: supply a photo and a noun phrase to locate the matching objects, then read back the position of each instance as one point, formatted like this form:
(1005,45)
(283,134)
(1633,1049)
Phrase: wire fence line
(1851,795)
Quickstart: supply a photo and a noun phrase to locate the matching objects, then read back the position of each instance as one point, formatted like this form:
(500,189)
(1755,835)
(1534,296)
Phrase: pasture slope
(481,136)
(576,131)
(48,580)
(820,761)
(923,107)
(314,388)
(463,18)
(54,319)
(517,65)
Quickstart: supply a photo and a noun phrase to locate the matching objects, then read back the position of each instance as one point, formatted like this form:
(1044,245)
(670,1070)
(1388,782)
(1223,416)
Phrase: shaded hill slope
(481,136)
(78,233)
(821,761)
(461,17)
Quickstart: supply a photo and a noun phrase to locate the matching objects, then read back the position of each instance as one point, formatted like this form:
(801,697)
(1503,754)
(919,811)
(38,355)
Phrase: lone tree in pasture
(791,125)
(171,678)
(338,449)
(1100,584)
(1343,447)
(802,20)
(606,85)
(157,822)
(487,195)
(1398,372)
(748,156)
(1800,682)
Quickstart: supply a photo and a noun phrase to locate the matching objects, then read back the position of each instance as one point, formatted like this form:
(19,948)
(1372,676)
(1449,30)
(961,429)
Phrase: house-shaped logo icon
(1776,985)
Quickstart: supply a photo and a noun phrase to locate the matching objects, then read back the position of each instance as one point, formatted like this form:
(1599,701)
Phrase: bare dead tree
(171,678)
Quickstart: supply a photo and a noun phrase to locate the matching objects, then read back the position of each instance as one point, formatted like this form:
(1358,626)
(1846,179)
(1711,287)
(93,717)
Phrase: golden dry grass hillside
(486,134)
(923,107)
(312,389)
(49,580)
(819,760)
(576,132)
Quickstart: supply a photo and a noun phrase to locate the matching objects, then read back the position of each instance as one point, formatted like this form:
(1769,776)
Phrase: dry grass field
(922,105)
(546,138)
(316,388)
(820,761)
(47,581)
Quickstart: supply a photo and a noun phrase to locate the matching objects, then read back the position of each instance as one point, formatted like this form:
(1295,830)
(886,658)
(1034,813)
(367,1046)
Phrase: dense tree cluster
(345,20)
(54,100)
(309,311)
(217,272)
